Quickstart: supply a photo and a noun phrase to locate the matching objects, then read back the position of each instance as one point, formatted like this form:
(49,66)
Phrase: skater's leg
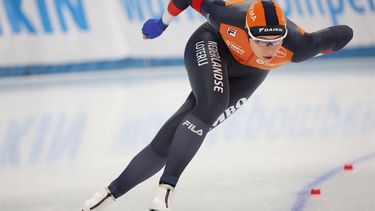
(152,158)
(145,164)
(241,88)
(185,145)
(208,77)
(163,139)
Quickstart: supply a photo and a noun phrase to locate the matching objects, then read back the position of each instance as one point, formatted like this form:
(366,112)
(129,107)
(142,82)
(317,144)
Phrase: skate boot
(162,198)
(99,201)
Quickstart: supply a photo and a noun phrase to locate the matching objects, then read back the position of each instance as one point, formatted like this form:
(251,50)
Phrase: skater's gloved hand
(153,28)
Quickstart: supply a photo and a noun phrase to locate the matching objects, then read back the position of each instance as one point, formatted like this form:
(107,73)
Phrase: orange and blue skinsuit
(223,73)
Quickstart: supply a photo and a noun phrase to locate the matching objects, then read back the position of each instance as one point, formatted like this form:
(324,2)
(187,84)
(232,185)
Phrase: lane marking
(304,194)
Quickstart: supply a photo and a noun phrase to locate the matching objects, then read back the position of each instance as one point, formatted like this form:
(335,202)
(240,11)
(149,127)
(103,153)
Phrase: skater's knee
(159,150)
(210,109)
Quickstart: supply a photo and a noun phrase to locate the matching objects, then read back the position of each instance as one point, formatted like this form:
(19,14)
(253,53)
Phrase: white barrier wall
(72,31)
(94,118)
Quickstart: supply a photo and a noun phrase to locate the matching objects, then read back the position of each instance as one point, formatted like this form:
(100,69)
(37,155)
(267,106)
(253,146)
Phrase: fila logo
(270,30)
(232,32)
(192,127)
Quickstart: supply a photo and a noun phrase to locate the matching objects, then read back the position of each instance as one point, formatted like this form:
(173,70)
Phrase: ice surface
(267,174)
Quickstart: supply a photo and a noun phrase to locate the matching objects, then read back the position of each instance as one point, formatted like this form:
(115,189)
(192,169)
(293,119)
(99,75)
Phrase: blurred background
(81,93)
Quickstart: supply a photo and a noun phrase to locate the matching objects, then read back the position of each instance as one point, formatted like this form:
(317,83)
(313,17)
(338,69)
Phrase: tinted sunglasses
(265,43)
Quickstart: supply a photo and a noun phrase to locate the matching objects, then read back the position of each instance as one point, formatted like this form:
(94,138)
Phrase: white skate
(162,198)
(99,201)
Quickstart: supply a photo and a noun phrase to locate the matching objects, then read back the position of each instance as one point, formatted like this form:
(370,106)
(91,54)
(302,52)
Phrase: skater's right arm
(211,9)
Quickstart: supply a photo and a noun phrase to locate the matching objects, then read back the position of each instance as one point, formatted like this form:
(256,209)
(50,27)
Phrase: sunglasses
(266,43)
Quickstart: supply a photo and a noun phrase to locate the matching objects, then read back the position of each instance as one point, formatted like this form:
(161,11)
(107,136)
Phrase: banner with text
(40,32)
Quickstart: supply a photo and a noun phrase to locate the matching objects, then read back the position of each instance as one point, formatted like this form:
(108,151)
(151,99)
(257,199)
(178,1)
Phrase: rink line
(304,194)
(134,75)
(134,62)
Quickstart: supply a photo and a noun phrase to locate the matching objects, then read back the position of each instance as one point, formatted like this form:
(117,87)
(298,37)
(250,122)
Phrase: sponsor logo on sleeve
(232,32)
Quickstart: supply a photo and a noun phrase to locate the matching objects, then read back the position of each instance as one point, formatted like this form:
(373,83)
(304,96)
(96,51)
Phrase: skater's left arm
(153,28)
(307,45)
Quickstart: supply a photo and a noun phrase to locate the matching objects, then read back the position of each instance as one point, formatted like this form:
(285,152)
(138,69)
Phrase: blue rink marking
(127,63)
(304,194)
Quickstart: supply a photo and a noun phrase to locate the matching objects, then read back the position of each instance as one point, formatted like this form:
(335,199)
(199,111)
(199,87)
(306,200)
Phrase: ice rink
(64,136)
